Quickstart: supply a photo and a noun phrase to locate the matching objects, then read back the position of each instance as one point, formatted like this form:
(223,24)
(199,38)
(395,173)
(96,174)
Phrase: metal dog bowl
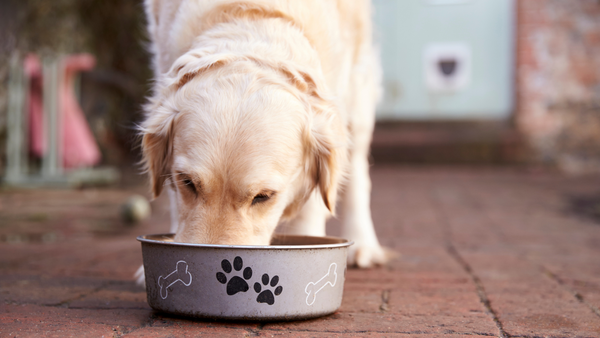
(296,277)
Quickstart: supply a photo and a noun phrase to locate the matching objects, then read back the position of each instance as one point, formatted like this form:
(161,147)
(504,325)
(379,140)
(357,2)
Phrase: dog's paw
(366,256)
(140,277)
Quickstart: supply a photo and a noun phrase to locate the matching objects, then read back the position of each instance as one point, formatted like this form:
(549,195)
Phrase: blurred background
(475,82)
(111,93)
(466,81)
(496,81)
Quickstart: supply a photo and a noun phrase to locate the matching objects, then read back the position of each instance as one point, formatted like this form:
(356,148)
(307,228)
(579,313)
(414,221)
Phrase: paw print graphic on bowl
(236,283)
(266,295)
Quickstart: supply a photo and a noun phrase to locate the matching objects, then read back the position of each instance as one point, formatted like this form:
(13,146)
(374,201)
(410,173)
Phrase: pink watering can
(78,147)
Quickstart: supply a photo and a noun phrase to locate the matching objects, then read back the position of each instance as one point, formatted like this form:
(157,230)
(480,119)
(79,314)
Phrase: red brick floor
(485,252)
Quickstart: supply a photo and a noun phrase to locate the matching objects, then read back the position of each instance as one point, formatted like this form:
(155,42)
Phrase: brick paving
(498,252)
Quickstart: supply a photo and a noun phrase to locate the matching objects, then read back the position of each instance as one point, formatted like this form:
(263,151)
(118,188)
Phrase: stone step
(448,142)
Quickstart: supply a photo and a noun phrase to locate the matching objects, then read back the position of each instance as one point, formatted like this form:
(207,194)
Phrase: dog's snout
(223,227)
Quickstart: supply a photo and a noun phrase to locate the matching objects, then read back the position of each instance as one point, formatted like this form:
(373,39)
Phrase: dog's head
(243,144)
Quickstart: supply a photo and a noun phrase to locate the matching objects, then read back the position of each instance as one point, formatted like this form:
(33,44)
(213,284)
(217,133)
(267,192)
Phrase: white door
(446,59)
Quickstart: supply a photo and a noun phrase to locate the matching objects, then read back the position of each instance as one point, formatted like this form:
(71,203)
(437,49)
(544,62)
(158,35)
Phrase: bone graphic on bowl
(313,288)
(180,274)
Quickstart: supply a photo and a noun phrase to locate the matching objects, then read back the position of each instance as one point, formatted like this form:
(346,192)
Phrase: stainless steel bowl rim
(249,247)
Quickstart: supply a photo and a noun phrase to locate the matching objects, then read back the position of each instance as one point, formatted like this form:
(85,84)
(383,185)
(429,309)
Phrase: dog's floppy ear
(327,156)
(326,140)
(157,146)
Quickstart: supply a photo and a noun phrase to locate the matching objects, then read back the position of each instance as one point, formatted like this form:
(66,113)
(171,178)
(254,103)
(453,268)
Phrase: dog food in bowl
(296,277)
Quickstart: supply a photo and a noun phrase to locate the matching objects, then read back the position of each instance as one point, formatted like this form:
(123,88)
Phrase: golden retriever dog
(261,115)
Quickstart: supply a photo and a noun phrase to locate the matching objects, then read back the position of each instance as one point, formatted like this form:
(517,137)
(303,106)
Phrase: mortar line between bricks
(451,249)
(480,289)
(148,323)
(575,294)
(80,296)
(385,300)
(255,332)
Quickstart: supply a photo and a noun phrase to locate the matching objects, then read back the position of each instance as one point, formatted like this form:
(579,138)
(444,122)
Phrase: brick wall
(558,81)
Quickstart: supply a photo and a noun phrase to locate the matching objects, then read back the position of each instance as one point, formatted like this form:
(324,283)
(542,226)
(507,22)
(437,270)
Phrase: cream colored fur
(262,113)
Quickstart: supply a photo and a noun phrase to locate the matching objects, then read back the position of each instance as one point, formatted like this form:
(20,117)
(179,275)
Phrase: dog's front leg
(356,209)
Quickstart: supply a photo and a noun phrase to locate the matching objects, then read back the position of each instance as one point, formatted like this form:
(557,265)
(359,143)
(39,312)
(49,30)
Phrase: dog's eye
(187,182)
(262,197)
